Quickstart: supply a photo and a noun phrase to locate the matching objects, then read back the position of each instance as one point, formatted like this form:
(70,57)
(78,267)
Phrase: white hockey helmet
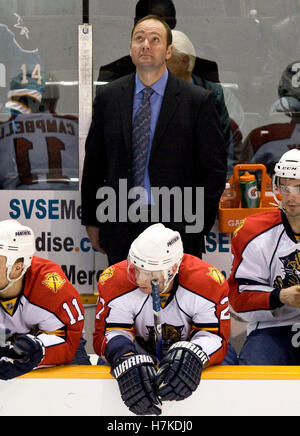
(157,248)
(16,241)
(288,166)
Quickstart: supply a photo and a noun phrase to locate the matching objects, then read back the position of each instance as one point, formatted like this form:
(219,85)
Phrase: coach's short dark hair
(164,9)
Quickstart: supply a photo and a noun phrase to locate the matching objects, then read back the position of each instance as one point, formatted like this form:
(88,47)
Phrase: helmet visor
(287,190)
(142,277)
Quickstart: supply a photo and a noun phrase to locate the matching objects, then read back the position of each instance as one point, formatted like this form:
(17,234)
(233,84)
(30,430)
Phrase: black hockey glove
(135,375)
(180,371)
(20,356)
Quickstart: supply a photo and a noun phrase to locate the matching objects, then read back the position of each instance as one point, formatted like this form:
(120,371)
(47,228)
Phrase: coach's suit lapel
(126,104)
(169,106)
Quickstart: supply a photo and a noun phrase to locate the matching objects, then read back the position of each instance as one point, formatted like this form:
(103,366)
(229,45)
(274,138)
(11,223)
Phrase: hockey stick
(157,319)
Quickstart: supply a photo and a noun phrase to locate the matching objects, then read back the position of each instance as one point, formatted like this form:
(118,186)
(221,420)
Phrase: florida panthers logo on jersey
(107,274)
(291,267)
(242,222)
(216,275)
(54,281)
(170,335)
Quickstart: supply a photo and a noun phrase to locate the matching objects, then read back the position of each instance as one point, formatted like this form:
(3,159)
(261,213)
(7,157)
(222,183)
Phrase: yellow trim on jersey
(210,329)
(207,329)
(55,332)
(131,330)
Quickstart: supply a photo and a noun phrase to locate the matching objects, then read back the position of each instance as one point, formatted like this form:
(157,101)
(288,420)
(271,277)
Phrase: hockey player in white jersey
(265,278)
(194,320)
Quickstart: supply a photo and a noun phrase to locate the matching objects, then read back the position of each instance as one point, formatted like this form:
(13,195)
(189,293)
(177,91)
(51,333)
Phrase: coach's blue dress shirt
(155,102)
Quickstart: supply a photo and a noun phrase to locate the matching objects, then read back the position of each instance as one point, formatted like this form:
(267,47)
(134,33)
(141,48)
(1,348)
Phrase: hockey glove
(20,356)
(180,371)
(135,375)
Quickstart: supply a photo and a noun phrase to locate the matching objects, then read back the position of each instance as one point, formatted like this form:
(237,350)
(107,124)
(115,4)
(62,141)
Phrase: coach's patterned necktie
(140,138)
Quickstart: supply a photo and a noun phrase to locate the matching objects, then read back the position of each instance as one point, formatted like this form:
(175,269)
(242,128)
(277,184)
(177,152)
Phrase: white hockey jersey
(39,151)
(196,310)
(266,259)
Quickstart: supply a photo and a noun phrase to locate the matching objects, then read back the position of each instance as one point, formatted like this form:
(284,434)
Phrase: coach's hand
(93,234)
(180,371)
(136,376)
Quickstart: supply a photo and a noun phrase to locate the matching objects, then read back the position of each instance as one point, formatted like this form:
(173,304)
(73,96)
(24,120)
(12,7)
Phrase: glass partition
(251,48)
(254,49)
(39,94)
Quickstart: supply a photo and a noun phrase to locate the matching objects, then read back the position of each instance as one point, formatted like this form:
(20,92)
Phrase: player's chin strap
(12,281)
(278,202)
(169,274)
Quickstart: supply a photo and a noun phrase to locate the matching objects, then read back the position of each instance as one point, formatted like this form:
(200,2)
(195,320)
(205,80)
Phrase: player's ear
(174,268)
(17,268)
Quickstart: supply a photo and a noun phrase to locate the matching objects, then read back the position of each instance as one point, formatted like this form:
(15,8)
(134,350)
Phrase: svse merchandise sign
(55,217)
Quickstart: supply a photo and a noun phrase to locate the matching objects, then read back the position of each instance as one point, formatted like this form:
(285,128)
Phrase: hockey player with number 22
(158,354)
(41,314)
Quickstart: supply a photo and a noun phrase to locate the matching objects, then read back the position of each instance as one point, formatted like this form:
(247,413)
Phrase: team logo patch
(54,282)
(291,269)
(242,222)
(216,275)
(107,274)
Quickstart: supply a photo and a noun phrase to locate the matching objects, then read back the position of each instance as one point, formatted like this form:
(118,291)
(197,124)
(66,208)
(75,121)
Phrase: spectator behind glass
(19,50)
(284,48)
(182,63)
(267,143)
(38,148)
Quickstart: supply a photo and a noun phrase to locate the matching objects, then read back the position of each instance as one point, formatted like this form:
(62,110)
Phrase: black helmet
(289,89)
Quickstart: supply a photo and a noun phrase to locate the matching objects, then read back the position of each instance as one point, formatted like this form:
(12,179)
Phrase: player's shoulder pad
(46,283)
(254,225)
(114,281)
(196,274)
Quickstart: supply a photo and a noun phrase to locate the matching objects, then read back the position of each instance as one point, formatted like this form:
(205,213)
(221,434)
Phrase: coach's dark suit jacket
(188,149)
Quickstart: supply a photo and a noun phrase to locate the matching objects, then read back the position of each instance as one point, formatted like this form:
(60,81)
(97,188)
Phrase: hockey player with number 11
(40,311)
(195,320)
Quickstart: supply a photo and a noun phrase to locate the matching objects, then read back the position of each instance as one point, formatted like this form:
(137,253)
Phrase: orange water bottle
(227,198)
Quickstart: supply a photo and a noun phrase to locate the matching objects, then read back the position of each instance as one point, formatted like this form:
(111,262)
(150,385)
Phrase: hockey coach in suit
(186,147)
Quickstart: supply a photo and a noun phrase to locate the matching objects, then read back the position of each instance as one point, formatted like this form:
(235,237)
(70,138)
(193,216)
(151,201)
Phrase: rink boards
(91,391)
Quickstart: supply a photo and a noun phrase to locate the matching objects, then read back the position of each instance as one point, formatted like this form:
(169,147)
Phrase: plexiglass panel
(254,49)
(249,52)
(39,94)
